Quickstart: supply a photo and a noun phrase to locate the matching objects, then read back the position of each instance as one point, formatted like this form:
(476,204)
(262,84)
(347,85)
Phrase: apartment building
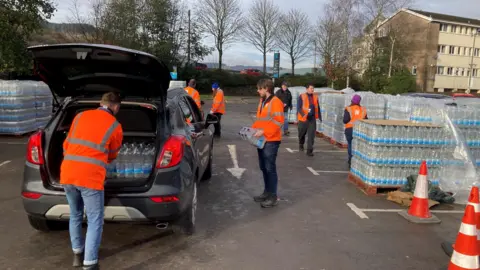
(443,50)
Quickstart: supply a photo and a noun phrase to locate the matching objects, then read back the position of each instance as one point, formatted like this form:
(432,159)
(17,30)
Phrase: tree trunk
(391,59)
(264,61)
(293,66)
(220,55)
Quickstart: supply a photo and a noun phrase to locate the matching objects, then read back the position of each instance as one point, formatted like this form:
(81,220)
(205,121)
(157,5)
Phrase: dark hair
(310,84)
(265,84)
(285,83)
(192,83)
(111,98)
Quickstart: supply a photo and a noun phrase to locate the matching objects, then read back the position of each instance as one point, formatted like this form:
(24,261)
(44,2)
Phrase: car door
(201,137)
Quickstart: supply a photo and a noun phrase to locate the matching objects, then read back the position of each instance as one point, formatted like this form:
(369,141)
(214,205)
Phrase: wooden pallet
(369,189)
(339,144)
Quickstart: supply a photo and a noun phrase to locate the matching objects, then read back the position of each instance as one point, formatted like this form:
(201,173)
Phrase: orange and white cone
(465,253)
(474,200)
(419,211)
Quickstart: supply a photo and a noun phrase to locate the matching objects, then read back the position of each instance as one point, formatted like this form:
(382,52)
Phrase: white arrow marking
(235,171)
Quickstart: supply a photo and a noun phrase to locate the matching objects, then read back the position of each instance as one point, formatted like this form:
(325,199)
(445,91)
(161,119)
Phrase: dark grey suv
(167,120)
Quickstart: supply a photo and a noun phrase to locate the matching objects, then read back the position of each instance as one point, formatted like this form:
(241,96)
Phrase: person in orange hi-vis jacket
(270,119)
(218,107)
(352,114)
(94,139)
(194,93)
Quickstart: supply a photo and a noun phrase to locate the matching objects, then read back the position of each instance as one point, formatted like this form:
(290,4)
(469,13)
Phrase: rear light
(164,199)
(31,195)
(172,152)
(34,148)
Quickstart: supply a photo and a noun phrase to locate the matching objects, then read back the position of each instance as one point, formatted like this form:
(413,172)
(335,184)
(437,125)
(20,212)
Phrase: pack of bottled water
(246,133)
(24,106)
(134,160)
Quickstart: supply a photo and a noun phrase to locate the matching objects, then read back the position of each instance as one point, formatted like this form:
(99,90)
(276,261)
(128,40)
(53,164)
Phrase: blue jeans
(93,200)
(349,137)
(267,158)
(285,123)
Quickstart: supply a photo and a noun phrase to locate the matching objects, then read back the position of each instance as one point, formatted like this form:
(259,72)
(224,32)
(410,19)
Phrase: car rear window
(133,118)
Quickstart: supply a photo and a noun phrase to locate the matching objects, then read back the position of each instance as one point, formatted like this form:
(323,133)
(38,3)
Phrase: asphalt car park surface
(311,228)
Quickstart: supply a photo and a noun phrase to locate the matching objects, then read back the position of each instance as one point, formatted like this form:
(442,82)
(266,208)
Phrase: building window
(441,48)
(452,50)
(443,27)
(449,71)
(414,70)
(469,51)
(358,65)
(465,51)
(459,49)
(461,72)
(475,72)
(454,29)
(440,70)
(476,52)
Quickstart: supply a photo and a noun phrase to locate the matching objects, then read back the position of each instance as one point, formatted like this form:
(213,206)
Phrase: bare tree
(261,27)
(294,36)
(223,20)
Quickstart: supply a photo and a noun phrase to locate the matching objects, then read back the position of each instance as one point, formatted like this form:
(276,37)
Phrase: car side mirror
(211,119)
(202,102)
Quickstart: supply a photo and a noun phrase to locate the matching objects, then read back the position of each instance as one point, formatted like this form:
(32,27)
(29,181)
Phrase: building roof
(436,17)
(445,17)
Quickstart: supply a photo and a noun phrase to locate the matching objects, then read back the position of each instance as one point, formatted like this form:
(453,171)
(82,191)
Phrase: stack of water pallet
(25,106)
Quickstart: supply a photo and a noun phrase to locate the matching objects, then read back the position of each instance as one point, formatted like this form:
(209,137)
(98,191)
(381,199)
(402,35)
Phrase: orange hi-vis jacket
(195,95)
(218,105)
(270,118)
(306,107)
(93,141)
(356,113)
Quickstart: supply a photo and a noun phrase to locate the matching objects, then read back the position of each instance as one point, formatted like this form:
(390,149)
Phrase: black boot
(91,267)
(300,148)
(78,260)
(271,201)
(261,198)
(310,153)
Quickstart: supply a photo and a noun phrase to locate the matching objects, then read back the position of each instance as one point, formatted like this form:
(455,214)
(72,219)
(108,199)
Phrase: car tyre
(186,223)
(208,171)
(44,225)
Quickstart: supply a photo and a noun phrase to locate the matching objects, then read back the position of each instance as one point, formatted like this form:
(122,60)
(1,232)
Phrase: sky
(242,53)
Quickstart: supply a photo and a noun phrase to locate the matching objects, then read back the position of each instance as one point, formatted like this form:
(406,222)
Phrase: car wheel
(44,225)
(186,224)
(208,171)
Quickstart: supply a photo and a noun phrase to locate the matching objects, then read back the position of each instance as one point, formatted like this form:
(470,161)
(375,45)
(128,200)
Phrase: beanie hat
(215,85)
(356,99)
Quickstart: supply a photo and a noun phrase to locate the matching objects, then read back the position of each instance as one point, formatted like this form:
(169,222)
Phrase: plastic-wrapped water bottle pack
(24,106)
(134,160)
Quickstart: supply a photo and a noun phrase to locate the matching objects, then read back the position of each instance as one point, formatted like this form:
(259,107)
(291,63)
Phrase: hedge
(228,79)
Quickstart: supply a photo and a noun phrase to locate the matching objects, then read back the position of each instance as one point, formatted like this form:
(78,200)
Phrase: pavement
(311,228)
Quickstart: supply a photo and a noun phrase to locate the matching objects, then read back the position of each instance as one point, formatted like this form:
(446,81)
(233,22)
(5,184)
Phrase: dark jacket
(311,114)
(285,97)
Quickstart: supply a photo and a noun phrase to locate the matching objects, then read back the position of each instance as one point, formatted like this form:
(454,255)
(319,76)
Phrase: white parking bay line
(13,142)
(361,211)
(316,172)
(4,163)
(317,151)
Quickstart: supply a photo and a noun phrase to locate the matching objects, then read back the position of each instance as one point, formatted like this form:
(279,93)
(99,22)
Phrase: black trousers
(307,128)
(218,126)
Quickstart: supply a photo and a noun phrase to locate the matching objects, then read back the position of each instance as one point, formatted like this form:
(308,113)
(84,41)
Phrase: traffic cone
(419,211)
(473,200)
(465,253)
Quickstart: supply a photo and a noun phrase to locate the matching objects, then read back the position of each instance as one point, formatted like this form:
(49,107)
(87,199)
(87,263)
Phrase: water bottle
(137,159)
(128,162)
(120,165)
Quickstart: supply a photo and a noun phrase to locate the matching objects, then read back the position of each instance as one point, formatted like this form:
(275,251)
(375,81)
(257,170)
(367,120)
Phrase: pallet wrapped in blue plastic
(25,106)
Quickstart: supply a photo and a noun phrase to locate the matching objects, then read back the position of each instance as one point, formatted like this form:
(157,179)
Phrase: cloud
(241,53)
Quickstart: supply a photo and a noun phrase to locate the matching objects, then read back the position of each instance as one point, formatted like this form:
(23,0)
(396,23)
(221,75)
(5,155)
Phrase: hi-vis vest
(218,105)
(356,113)
(195,95)
(93,141)
(270,119)
(306,107)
